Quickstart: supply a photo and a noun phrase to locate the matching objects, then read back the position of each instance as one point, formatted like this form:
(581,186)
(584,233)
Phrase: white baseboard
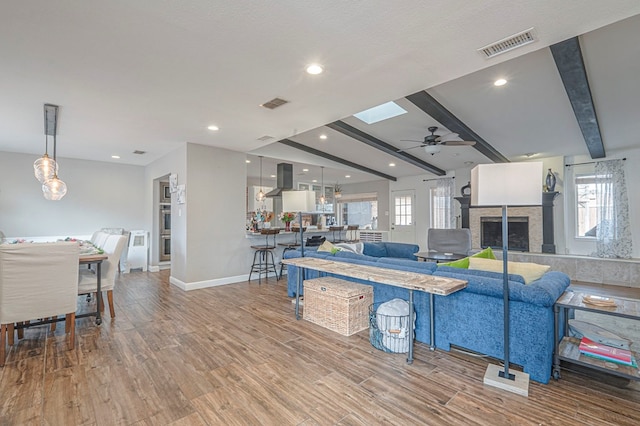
(209,283)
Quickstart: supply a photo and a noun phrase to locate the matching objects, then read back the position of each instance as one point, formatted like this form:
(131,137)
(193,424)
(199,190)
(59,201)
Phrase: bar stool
(352,233)
(290,246)
(339,230)
(261,255)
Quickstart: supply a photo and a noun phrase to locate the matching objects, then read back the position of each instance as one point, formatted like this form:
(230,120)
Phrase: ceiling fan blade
(457,143)
(413,147)
(447,136)
(410,140)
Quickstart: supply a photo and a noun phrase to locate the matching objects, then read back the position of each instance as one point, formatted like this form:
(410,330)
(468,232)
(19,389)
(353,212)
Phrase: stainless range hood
(284,180)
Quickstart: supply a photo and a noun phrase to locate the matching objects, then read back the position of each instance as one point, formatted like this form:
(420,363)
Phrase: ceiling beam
(568,57)
(361,136)
(347,163)
(435,109)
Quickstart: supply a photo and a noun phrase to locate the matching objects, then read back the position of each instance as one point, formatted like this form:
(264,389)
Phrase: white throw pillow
(357,248)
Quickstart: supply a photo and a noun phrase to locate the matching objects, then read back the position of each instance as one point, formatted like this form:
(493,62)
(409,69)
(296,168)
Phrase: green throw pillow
(464,263)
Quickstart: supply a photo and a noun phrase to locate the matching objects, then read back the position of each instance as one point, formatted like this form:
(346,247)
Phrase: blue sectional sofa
(471,318)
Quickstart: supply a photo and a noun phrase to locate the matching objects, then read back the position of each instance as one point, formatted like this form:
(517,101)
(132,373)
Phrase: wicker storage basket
(339,305)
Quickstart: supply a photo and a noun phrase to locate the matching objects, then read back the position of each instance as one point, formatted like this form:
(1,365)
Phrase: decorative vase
(287,226)
(550,181)
(465,191)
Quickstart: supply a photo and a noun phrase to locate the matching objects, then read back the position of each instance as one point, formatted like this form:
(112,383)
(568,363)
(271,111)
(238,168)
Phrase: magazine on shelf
(608,353)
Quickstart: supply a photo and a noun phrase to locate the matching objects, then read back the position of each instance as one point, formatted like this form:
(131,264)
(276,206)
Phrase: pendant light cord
(46,134)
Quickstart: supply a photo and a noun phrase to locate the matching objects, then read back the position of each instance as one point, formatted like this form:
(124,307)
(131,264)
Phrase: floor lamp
(503,184)
(301,202)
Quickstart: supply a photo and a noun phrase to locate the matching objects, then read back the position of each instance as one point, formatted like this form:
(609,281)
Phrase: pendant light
(260,195)
(53,189)
(45,167)
(322,199)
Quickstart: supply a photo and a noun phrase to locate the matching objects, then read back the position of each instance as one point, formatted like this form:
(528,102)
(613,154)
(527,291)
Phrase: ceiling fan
(432,142)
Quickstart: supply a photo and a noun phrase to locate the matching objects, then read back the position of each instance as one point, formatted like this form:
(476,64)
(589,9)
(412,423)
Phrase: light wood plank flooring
(235,355)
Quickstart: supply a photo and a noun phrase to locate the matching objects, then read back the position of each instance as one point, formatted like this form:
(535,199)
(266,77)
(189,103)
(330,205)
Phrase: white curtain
(444,216)
(613,233)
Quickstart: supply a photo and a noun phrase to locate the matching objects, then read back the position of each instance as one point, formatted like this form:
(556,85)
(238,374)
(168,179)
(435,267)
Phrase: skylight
(380,112)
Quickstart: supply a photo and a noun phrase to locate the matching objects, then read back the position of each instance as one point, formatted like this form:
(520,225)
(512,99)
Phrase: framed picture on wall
(180,194)
(173,182)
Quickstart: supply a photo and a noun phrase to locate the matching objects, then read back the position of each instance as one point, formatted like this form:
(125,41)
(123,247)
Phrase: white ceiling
(151,75)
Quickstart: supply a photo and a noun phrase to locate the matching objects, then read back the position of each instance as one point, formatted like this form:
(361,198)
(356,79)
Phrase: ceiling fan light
(54,189)
(44,168)
(432,149)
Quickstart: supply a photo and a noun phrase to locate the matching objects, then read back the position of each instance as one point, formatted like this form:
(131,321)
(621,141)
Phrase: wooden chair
(37,280)
(88,281)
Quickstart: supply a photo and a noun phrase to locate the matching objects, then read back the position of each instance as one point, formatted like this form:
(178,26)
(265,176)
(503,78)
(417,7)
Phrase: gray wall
(99,195)
(215,214)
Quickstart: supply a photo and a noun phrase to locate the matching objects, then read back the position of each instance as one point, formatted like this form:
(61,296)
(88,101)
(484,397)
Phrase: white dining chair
(99,238)
(88,281)
(37,280)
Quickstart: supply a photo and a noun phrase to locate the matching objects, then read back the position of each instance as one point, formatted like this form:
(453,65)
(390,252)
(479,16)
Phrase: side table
(568,350)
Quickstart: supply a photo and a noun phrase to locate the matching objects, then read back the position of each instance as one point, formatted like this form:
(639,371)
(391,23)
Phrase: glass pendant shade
(54,189)
(44,168)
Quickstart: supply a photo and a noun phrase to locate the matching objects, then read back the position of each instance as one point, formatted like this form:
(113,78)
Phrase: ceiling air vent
(138,152)
(265,138)
(274,103)
(506,44)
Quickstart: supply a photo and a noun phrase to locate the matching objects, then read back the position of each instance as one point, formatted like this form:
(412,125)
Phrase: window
(403,210)
(441,197)
(587,208)
(440,210)
(359,209)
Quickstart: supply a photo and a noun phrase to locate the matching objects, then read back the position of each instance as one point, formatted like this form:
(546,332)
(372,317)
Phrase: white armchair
(88,281)
(37,280)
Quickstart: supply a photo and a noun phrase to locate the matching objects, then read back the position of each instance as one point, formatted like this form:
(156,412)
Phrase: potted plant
(337,190)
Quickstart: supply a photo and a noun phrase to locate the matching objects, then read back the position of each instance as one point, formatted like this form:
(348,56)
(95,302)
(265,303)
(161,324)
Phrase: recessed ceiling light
(247,161)
(392,164)
(323,137)
(214,128)
(305,170)
(500,82)
(314,180)
(347,176)
(530,154)
(315,69)
(115,156)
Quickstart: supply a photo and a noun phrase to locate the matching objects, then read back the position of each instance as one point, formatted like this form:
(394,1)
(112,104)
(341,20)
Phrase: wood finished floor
(235,355)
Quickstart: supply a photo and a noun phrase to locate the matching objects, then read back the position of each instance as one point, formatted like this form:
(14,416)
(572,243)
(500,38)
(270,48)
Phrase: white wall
(99,195)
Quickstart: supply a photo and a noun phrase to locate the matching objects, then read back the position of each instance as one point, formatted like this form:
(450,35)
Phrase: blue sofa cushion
(402,250)
(375,249)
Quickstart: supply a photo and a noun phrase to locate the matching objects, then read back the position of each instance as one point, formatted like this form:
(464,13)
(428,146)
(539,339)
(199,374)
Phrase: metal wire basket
(389,333)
